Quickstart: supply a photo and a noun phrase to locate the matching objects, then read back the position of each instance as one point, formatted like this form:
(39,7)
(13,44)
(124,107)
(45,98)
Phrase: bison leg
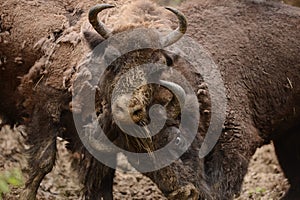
(98,180)
(288,152)
(178,181)
(42,153)
(43,159)
(107,185)
(227,164)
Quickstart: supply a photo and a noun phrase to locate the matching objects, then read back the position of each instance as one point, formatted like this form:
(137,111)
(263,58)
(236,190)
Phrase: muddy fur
(47,90)
(18,36)
(178,186)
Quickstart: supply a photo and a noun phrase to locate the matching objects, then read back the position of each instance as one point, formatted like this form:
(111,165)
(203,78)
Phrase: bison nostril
(137,112)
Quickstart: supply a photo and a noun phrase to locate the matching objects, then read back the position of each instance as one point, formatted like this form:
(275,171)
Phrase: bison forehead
(132,79)
(135,69)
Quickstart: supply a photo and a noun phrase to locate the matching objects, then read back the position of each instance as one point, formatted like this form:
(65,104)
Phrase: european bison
(256,47)
(48,105)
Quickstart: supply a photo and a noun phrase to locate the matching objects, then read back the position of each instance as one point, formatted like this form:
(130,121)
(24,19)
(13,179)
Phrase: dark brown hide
(256,47)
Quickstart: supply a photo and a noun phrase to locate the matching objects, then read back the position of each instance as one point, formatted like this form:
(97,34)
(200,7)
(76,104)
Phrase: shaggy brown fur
(20,30)
(260,68)
(46,90)
(255,45)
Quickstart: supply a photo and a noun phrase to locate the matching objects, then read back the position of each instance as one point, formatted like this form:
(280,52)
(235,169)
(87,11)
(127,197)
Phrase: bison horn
(175,35)
(176,89)
(99,26)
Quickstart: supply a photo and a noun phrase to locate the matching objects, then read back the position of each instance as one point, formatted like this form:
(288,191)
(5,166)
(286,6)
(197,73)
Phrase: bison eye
(171,58)
(169,61)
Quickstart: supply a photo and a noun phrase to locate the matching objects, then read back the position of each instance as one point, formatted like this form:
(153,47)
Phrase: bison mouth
(140,144)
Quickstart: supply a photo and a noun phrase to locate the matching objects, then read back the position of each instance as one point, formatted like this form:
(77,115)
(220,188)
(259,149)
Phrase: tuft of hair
(138,14)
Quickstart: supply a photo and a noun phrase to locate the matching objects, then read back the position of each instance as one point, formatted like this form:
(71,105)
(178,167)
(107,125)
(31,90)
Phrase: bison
(256,47)
(50,105)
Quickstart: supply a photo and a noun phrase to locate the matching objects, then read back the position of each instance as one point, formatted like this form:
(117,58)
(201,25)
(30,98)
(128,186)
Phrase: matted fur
(249,40)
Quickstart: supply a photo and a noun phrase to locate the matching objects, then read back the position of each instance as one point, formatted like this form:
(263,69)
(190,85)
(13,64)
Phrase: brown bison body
(256,47)
(20,30)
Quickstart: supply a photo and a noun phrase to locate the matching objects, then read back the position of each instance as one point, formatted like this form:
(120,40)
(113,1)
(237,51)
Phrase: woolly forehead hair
(137,14)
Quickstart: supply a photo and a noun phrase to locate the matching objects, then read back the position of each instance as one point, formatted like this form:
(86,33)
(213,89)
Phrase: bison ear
(93,39)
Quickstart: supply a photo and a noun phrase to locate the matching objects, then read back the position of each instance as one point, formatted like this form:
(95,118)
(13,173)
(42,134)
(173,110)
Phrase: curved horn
(176,89)
(175,35)
(99,26)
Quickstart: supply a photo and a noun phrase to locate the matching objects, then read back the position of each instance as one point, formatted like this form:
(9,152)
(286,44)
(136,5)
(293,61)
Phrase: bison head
(126,91)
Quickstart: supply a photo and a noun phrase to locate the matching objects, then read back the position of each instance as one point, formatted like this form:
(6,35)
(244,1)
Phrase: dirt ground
(264,180)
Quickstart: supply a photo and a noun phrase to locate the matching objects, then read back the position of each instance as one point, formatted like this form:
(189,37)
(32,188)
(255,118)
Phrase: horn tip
(171,9)
(111,6)
(102,6)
